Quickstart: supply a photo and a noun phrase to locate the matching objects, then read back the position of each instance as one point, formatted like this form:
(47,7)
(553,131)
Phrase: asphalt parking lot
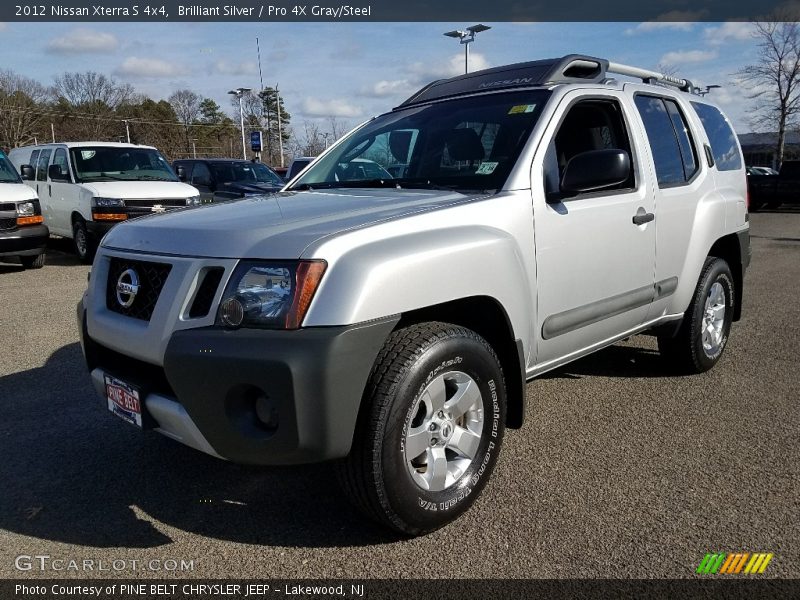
(622,470)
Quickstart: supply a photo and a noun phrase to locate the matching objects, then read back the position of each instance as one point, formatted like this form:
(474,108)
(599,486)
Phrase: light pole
(127,130)
(194,148)
(239,92)
(466,37)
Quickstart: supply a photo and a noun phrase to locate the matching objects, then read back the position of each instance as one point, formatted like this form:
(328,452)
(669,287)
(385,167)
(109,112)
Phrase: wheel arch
(485,316)
(729,249)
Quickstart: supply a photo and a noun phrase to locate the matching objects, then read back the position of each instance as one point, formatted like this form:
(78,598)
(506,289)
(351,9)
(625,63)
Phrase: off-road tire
(376,475)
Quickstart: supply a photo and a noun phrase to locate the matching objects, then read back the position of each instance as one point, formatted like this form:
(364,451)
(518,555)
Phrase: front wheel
(703,334)
(83,242)
(33,262)
(430,431)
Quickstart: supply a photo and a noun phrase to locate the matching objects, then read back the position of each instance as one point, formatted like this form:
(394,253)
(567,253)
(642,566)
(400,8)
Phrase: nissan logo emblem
(127,288)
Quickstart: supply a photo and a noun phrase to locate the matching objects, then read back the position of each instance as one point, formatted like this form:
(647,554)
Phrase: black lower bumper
(98,229)
(30,240)
(265,396)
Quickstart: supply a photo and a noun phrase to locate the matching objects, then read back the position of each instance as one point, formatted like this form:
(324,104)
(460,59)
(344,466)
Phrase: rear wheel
(430,432)
(33,262)
(706,324)
(84,243)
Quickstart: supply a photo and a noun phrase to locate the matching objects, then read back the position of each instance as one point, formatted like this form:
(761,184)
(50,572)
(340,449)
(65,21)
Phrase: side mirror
(595,170)
(56,174)
(27,172)
(181,172)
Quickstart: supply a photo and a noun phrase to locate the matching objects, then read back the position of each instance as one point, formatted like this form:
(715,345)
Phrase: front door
(595,250)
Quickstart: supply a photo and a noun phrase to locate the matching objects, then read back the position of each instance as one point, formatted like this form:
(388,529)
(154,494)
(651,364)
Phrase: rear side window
(41,168)
(723,140)
(670,142)
(34,158)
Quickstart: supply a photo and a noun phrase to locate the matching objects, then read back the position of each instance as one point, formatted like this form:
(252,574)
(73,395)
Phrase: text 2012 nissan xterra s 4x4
(537,212)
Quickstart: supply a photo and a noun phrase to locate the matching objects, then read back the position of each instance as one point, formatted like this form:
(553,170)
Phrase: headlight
(108,202)
(270,295)
(193,201)
(26,209)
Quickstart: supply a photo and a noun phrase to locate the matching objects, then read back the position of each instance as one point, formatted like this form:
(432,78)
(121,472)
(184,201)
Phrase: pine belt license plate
(123,400)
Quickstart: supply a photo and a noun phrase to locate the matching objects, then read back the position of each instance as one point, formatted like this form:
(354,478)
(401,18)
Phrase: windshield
(464,144)
(8,174)
(242,172)
(110,163)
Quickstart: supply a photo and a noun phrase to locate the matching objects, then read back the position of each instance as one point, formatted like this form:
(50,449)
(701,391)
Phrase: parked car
(773,190)
(86,188)
(23,234)
(761,171)
(297,165)
(220,179)
(391,324)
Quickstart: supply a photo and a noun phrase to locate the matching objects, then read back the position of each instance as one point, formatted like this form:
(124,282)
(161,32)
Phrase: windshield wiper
(355,183)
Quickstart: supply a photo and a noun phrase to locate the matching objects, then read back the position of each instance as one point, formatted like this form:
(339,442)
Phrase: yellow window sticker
(486,168)
(522,109)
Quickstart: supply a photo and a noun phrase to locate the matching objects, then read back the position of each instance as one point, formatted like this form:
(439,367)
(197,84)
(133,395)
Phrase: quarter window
(721,136)
(673,152)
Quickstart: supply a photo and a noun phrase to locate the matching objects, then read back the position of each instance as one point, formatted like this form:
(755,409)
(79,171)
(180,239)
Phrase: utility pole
(53,132)
(127,130)
(280,135)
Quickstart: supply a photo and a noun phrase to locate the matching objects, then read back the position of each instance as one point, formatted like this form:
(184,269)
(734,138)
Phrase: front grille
(8,224)
(206,292)
(8,206)
(137,207)
(152,277)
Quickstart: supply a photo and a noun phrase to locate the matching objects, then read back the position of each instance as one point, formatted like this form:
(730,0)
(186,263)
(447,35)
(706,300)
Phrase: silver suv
(534,213)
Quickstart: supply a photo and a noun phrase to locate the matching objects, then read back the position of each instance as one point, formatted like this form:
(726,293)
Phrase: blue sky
(355,70)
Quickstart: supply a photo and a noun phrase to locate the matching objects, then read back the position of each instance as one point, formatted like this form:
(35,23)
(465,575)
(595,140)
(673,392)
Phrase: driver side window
(201,174)
(588,125)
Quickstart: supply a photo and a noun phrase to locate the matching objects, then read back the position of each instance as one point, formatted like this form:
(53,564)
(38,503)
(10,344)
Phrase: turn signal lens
(109,216)
(308,277)
(34,220)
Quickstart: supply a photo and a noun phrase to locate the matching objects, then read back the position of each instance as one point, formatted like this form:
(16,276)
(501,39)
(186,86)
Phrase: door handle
(641,217)
(50,190)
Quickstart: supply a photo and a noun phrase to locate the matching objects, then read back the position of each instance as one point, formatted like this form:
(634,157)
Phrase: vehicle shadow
(74,473)
(615,361)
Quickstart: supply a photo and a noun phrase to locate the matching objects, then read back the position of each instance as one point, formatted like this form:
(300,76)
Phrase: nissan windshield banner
(391,10)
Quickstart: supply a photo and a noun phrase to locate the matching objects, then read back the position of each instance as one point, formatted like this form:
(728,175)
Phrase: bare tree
(186,105)
(773,81)
(89,88)
(21,99)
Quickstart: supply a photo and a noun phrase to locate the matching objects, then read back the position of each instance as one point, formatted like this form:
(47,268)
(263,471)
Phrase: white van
(87,187)
(22,233)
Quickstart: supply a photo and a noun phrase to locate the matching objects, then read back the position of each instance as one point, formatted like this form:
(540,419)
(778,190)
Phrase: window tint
(672,150)
(60,159)
(723,140)
(41,166)
(688,155)
(34,159)
(589,125)
(201,174)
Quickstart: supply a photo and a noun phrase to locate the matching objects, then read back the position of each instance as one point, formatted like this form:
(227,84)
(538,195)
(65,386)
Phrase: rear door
(40,183)
(201,179)
(62,195)
(594,263)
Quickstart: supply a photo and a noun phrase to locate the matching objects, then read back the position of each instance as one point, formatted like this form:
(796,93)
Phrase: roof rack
(573,68)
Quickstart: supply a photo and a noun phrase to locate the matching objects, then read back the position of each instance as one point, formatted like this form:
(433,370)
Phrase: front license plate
(123,400)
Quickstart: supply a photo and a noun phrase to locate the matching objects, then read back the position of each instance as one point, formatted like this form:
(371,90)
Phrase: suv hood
(278,226)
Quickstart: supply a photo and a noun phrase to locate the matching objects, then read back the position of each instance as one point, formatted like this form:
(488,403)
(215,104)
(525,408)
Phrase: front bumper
(264,397)
(98,229)
(30,240)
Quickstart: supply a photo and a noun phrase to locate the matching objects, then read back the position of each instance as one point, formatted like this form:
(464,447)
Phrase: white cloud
(680,57)
(728,31)
(147,67)
(384,88)
(224,67)
(331,107)
(83,41)
(649,26)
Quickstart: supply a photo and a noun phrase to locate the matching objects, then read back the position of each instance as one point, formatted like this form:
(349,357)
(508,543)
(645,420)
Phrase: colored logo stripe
(733,563)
